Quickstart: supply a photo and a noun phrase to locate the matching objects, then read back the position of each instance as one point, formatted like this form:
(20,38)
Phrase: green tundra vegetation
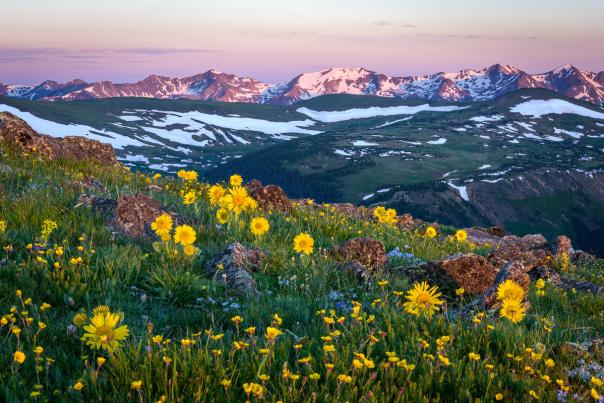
(89,314)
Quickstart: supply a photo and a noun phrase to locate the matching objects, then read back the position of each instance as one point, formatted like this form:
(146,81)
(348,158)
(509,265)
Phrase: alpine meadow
(252,222)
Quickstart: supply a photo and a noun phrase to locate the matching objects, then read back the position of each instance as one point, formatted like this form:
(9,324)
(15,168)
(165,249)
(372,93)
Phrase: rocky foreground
(184,285)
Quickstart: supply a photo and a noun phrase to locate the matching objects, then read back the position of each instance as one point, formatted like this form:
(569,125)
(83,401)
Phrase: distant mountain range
(465,85)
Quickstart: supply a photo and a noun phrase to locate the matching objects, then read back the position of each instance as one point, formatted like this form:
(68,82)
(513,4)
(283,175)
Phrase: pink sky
(275,40)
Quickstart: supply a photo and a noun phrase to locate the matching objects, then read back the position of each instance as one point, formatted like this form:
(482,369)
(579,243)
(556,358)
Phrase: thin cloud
(388,24)
(303,33)
(28,54)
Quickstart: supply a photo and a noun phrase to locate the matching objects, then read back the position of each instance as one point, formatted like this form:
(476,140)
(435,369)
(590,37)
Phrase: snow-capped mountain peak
(466,85)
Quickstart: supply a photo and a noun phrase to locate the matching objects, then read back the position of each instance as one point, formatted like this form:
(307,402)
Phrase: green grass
(169,296)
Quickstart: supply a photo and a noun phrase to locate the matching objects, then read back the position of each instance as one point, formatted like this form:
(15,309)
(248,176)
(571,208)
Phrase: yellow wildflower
(304,243)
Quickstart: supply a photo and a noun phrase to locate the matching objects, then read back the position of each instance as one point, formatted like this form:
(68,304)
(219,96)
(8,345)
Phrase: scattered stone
(562,244)
(270,197)
(471,272)
(356,269)
(90,182)
(369,252)
(134,215)
(18,132)
(233,267)
(102,205)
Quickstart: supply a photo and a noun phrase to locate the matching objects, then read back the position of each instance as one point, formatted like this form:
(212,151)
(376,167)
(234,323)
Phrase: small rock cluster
(270,197)
(233,266)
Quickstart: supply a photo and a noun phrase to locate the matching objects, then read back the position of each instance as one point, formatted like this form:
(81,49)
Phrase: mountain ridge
(464,85)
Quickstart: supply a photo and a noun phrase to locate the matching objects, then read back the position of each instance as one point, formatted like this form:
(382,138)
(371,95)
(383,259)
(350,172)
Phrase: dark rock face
(17,132)
(233,267)
(134,215)
(471,272)
(270,197)
(369,252)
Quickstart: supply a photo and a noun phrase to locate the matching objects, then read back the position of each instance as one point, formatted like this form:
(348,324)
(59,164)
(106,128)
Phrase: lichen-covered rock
(531,250)
(134,215)
(471,272)
(514,271)
(481,236)
(562,244)
(407,222)
(350,210)
(369,252)
(496,231)
(270,197)
(16,131)
(233,266)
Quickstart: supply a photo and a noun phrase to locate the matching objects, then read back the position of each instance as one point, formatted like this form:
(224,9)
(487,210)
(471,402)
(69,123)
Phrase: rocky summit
(465,85)
(124,285)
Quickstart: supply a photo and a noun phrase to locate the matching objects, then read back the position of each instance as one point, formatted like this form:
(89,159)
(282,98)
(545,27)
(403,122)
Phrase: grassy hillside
(311,333)
(418,164)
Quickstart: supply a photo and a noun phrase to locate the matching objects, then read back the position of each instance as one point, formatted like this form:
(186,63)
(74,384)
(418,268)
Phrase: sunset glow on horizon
(275,40)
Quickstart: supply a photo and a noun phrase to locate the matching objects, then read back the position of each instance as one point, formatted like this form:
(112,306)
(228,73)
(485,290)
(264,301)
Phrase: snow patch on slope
(539,107)
(364,113)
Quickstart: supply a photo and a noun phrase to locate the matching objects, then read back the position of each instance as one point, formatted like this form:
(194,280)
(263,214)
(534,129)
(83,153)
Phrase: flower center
(105,333)
(423,298)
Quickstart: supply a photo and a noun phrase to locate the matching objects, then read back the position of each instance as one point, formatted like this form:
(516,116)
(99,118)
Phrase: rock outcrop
(514,271)
(369,252)
(16,131)
(531,250)
(134,215)
(561,245)
(233,267)
(269,197)
(469,271)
